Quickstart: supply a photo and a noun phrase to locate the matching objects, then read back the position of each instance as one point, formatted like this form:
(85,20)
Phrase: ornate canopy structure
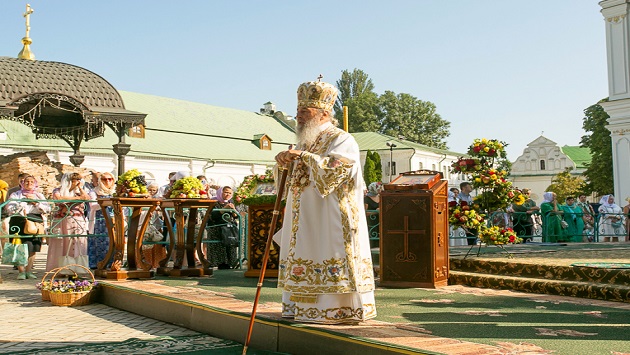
(58,100)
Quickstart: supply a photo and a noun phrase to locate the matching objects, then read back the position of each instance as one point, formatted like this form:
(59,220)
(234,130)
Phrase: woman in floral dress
(68,219)
(98,244)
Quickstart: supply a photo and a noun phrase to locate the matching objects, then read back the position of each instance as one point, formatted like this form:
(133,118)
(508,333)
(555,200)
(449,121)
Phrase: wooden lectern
(414,231)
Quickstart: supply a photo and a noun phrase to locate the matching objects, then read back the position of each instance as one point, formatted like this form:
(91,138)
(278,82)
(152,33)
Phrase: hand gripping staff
(272,227)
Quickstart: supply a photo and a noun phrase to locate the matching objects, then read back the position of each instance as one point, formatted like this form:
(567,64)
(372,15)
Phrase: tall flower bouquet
(496,192)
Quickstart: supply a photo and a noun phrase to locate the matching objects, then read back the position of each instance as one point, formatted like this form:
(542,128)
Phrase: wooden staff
(272,227)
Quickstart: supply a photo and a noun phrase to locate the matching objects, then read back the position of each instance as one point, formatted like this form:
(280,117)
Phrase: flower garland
(245,192)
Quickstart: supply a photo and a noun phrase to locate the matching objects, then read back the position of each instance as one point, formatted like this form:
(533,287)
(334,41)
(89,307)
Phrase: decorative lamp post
(391,146)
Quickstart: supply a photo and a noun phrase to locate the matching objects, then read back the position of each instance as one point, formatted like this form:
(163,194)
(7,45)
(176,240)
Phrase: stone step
(550,286)
(619,277)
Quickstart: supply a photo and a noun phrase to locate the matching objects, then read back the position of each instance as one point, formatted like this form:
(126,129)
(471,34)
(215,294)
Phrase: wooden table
(136,267)
(186,242)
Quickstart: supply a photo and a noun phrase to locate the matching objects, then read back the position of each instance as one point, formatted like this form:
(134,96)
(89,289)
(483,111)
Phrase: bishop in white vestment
(325,261)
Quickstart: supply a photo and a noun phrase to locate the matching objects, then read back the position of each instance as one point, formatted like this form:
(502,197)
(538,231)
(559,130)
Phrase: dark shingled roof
(20,77)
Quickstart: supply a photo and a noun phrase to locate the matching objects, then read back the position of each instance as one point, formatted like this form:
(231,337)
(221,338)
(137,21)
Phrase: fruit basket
(131,184)
(188,187)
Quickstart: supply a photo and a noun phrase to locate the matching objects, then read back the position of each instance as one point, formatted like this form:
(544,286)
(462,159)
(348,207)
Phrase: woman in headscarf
(98,243)
(31,210)
(69,219)
(372,197)
(610,219)
(552,229)
(575,223)
(220,255)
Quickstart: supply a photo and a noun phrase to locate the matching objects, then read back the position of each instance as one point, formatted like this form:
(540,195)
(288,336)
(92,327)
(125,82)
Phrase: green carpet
(570,326)
(203,344)
(604,265)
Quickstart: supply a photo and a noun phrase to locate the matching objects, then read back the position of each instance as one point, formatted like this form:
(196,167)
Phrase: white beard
(307,133)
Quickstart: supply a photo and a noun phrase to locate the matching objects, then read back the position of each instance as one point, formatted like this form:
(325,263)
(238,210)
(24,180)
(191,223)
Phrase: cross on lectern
(406,255)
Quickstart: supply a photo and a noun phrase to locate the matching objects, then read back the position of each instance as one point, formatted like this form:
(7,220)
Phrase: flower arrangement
(245,192)
(69,286)
(496,235)
(487,148)
(188,187)
(131,184)
(466,165)
(463,215)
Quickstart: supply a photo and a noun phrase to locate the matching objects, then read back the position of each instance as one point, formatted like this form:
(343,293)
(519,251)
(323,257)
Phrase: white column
(617,19)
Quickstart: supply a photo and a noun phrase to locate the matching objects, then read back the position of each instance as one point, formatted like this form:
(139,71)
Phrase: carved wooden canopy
(59,100)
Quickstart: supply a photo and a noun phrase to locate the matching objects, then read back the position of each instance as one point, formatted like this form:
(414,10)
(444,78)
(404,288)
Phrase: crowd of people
(570,221)
(72,224)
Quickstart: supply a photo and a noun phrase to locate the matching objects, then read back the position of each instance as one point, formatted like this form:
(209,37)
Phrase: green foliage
(416,120)
(564,184)
(378,166)
(369,173)
(356,91)
(599,172)
(391,113)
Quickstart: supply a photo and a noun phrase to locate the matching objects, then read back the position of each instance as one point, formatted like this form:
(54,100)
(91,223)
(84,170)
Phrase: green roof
(178,129)
(378,141)
(580,155)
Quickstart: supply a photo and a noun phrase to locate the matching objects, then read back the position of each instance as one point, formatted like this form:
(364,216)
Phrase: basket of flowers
(131,184)
(45,284)
(72,292)
(188,187)
(496,235)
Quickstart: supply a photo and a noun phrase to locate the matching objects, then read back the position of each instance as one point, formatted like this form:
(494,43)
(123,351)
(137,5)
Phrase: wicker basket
(71,298)
(47,277)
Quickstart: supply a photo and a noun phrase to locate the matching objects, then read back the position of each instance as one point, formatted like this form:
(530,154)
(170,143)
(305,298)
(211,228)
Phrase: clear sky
(501,69)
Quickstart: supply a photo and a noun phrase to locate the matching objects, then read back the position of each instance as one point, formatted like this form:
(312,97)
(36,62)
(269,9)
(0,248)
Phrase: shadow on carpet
(186,345)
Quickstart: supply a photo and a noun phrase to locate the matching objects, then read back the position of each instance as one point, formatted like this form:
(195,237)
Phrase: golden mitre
(317,94)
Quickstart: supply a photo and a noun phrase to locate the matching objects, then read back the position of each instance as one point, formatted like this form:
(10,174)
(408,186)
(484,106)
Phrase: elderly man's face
(306,114)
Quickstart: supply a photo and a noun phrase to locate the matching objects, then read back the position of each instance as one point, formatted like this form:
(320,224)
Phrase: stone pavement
(30,324)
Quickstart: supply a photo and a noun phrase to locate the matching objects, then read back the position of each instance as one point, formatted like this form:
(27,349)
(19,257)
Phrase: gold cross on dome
(27,16)
(319,78)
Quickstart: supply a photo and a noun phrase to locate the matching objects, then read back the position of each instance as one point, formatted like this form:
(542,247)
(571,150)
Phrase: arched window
(542,164)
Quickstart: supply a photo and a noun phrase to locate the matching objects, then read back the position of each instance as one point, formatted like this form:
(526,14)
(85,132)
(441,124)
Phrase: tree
(356,91)
(416,120)
(369,173)
(599,172)
(378,166)
(564,184)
